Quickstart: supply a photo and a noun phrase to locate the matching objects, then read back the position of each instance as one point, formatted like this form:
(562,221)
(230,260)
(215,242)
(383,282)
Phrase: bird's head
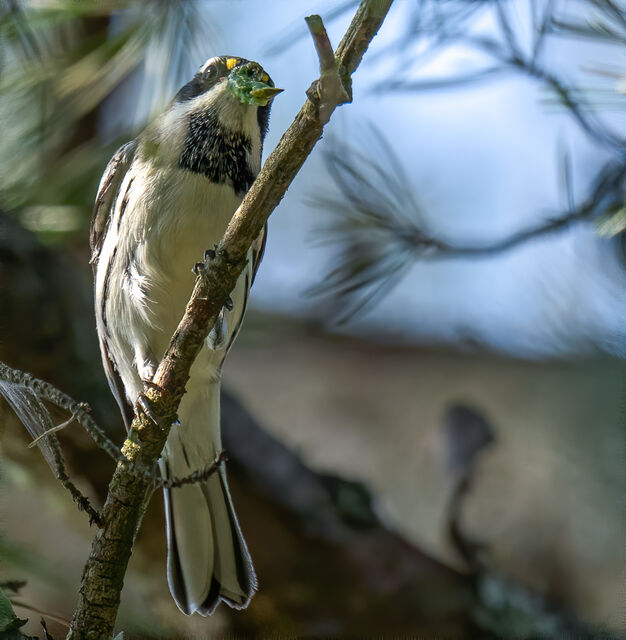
(232,88)
(216,123)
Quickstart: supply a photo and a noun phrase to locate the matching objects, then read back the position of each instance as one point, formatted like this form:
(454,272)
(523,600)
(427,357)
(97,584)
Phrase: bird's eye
(210,72)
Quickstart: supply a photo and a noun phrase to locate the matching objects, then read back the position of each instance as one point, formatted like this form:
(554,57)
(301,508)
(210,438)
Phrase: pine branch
(103,576)
(79,410)
(197,476)
(42,390)
(509,56)
(61,474)
(381,230)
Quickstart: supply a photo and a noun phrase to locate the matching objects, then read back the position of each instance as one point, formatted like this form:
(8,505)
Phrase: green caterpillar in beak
(249,84)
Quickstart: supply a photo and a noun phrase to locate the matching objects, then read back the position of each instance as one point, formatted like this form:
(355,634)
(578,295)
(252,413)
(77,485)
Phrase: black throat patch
(217,153)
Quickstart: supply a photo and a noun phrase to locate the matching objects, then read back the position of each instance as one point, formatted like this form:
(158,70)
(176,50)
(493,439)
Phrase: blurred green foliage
(60,62)
(10,624)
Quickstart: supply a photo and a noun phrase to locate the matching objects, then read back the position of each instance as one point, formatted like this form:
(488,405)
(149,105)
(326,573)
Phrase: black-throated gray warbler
(164,199)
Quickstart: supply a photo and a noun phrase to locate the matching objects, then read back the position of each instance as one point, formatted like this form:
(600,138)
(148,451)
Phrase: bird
(164,199)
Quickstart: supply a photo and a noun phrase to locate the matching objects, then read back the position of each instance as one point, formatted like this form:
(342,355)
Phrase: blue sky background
(484,161)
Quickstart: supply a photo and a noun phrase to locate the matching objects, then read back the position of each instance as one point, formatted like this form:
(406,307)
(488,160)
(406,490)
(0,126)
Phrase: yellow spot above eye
(230,63)
(265,77)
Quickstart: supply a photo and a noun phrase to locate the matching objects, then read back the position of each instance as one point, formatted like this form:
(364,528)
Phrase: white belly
(180,215)
(192,219)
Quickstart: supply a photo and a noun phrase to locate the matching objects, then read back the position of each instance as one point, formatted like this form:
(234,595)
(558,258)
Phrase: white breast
(186,214)
(171,218)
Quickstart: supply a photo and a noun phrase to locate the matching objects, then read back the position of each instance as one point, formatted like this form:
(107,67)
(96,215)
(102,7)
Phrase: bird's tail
(207,557)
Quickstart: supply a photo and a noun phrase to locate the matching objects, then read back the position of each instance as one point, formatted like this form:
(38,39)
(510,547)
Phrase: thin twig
(382,231)
(80,410)
(46,633)
(608,184)
(197,476)
(30,607)
(329,90)
(55,429)
(511,57)
(61,474)
(45,390)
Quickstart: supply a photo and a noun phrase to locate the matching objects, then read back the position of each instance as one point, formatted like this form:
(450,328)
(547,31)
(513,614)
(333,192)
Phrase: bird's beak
(249,84)
(262,95)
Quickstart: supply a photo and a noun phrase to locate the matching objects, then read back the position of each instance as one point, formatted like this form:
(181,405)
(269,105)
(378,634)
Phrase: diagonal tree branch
(103,576)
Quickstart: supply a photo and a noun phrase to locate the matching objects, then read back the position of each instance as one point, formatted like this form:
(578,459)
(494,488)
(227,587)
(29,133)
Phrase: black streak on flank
(124,203)
(105,293)
(263,117)
(217,153)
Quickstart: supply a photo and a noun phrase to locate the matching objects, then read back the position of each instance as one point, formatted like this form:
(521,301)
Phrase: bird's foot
(144,409)
(143,405)
(200,267)
(148,384)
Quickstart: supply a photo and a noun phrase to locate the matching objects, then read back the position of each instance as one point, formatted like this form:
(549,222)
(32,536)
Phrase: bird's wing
(107,195)
(100,219)
(116,385)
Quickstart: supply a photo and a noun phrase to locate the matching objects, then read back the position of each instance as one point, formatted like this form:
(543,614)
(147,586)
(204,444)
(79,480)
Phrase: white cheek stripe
(208,63)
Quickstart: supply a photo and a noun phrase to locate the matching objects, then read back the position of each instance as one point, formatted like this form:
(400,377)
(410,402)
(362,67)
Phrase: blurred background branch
(382,231)
(60,64)
(377,225)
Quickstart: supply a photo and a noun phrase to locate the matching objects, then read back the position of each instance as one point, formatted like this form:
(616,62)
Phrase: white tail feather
(207,557)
